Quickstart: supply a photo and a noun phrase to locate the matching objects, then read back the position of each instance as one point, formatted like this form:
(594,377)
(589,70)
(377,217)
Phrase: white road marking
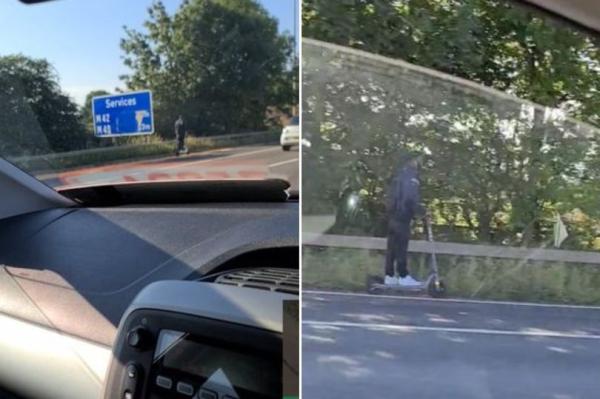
(283,162)
(485,331)
(453,300)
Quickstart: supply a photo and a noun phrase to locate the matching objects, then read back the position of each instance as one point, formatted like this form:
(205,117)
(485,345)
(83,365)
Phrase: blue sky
(81,37)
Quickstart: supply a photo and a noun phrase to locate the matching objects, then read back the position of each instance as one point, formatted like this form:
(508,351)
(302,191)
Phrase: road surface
(247,162)
(364,346)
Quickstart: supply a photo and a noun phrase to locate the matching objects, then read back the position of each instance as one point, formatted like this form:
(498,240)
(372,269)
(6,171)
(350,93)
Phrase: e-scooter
(432,285)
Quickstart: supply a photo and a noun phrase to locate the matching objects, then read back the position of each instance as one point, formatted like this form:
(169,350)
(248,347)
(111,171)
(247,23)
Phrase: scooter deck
(375,286)
(382,289)
(432,286)
(382,286)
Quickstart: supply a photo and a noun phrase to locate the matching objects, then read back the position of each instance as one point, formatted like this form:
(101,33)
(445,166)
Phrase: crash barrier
(65,160)
(456,249)
(335,262)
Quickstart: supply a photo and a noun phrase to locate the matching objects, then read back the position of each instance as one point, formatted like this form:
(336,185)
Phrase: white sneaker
(390,280)
(408,281)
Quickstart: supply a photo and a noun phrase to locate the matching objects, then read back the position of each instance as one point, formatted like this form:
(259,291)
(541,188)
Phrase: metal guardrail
(456,249)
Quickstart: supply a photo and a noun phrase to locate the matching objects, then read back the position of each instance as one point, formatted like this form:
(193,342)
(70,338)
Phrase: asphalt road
(364,346)
(247,162)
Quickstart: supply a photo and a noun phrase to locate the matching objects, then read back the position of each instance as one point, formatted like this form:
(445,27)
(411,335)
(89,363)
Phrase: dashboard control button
(185,389)
(204,393)
(138,338)
(164,382)
(132,371)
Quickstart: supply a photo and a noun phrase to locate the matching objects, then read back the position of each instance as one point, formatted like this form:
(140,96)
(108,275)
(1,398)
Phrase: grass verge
(465,277)
(102,156)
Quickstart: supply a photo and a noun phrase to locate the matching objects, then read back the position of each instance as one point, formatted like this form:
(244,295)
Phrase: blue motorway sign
(125,114)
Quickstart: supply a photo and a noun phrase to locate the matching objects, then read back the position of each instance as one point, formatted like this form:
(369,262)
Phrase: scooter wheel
(436,288)
(371,281)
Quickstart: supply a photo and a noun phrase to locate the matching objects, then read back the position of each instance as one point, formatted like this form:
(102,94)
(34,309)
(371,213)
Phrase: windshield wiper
(181,192)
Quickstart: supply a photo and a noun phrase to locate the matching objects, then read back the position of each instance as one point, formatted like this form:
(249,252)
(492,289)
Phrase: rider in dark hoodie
(403,205)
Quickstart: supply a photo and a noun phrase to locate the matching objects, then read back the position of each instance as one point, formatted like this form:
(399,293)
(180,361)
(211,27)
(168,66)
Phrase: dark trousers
(180,142)
(397,248)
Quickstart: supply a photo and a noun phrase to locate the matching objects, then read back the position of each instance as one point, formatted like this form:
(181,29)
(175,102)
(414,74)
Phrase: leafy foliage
(499,168)
(220,63)
(36,115)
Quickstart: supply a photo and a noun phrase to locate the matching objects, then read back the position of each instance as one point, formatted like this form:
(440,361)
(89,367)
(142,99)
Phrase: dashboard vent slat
(270,279)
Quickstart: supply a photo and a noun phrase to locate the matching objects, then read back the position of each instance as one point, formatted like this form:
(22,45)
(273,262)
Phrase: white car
(290,135)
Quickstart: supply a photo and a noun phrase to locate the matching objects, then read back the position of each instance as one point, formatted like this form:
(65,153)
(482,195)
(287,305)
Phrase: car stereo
(199,340)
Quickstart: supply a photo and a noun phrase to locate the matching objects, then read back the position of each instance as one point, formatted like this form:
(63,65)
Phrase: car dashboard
(69,278)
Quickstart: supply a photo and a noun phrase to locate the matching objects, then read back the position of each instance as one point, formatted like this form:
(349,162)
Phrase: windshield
(452,150)
(100,92)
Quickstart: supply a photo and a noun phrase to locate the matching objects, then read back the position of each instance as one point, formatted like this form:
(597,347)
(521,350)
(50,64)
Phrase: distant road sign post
(124,114)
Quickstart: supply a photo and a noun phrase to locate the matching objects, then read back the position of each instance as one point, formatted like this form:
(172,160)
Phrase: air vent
(270,279)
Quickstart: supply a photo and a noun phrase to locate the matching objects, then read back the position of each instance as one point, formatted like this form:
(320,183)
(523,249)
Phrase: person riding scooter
(403,205)
(180,133)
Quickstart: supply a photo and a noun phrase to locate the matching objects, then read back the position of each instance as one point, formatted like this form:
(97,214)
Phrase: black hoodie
(404,196)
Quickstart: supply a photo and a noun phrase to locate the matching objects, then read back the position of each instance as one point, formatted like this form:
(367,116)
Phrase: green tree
(220,63)
(513,49)
(36,115)
(499,168)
